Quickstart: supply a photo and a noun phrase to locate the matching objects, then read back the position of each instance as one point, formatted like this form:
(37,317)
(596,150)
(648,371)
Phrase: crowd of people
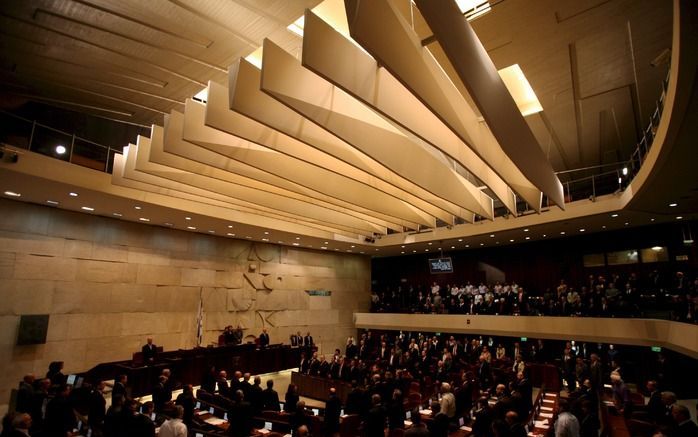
(484,382)
(597,297)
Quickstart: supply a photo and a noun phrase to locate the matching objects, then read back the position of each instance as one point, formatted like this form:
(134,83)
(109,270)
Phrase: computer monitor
(461,422)
(267,426)
(71,379)
(211,410)
(316,411)
(408,415)
(198,434)
(198,405)
(152,416)
(79,381)
(225,416)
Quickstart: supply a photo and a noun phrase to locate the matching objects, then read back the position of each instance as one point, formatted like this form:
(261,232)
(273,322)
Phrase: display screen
(440,265)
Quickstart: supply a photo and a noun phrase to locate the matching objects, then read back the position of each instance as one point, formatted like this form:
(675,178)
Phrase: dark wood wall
(539,265)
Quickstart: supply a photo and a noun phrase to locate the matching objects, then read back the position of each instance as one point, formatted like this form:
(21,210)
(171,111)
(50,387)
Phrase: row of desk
(189,366)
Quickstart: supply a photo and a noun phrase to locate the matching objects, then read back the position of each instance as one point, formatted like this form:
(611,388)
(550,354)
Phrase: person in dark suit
(240,415)
(222,384)
(188,402)
(119,389)
(333,407)
(264,338)
(161,394)
(208,382)
(655,406)
(374,423)
(439,422)
(291,399)
(255,397)
(483,418)
(25,394)
(60,418)
(354,399)
(299,418)
(685,427)
(296,340)
(96,406)
(270,398)
(137,424)
(396,410)
(149,351)
(308,341)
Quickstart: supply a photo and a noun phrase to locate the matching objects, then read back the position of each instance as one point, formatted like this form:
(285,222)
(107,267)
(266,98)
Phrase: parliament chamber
(384,218)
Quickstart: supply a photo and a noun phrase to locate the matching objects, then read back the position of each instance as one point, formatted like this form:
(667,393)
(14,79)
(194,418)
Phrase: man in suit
(264,338)
(240,414)
(374,424)
(161,395)
(296,340)
(270,398)
(308,341)
(333,407)
(119,389)
(25,394)
(137,424)
(149,351)
(685,427)
(222,384)
(187,401)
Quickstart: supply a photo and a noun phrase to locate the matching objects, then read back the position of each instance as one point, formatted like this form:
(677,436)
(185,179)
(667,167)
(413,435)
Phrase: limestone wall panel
(8,329)
(80,249)
(26,296)
(106,271)
(268,268)
(138,255)
(198,277)
(176,299)
(110,252)
(229,279)
(30,243)
(24,217)
(45,267)
(158,275)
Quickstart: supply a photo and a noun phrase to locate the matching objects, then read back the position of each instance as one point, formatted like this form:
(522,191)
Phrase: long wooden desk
(189,366)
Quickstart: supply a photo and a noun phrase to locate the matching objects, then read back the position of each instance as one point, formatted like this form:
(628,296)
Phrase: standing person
(240,416)
(270,398)
(374,424)
(291,399)
(566,424)
(333,407)
(149,351)
(119,389)
(187,401)
(174,427)
(264,338)
(448,401)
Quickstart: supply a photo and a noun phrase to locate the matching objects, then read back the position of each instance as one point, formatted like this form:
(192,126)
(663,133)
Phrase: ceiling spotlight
(87,208)
(430,243)
(526,230)
(60,149)
(614,215)
(453,247)
(467,245)
(403,246)
(482,244)
(116,214)
(582,230)
(138,207)
(678,217)
(298,238)
(187,218)
(626,223)
(143,219)
(52,202)
(12,194)
(528,238)
(72,194)
(211,231)
(266,232)
(323,247)
(296,244)
(168,224)
(625,171)
(414,251)
(265,239)
(230,226)
(232,235)
(491,235)
(511,241)
(562,233)
(673,204)
(651,219)
(403,252)
(193,228)
(460,240)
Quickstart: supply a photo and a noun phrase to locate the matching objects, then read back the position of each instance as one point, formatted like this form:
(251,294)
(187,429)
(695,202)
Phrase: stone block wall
(109,284)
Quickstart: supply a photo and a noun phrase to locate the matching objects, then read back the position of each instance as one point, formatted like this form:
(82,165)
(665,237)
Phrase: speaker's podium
(137,358)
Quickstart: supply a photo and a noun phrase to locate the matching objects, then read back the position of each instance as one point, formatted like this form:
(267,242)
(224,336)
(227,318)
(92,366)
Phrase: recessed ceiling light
(348,250)
(460,240)
(187,218)
(467,245)
(211,231)
(673,204)
(426,250)
(625,171)
(60,149)
(266,232)
(362,253)
(143,219)
(377,250)
(280,242)
(12,194)
(138,207)
(614,215)
(562,232)
(403,246)
(326,242)
(403,252)
(247,236)
(191,227)
(582,230)
(678,217)
(230,226)
(496,242)
(265,239)
(230,234)
(430,243)
(298,238)
(168,224)
(482,244)
(73,194)
(545,235)
(296,244)
(528,238)
(603,227)
(526,230)
(438,248)
(491,235)
(511,241)
(338,249)
(87,208)
(626,223)
(352,246)
(117,214)
(651,219)
(453,247)
(414,251)
(52,202)
(323,247)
